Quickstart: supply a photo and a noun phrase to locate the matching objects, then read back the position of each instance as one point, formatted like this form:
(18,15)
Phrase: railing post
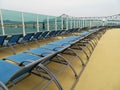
(67,23)
(62,23)
(48,23)
(37,24)
(2,24)
(55,23)
(71,23)
(23,25)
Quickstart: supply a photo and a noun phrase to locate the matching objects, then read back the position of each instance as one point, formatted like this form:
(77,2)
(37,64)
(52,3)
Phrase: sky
(77,8)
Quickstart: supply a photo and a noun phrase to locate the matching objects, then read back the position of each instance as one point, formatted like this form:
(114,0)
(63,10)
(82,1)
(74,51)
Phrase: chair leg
(26,44)
(11,47)
(69,65)
(2,86)
(36,41)
(81,44)
(51,75)
(77,56)
(84,52)
(13,84)
(81,49)
(91,45)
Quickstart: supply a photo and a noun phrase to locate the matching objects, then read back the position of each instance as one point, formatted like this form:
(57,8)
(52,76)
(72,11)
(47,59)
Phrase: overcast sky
(70,7)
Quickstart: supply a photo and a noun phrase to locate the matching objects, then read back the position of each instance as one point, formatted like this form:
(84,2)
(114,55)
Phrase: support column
(62,23)
(74,22)
(55,23)
(67,23)
(71,24)
(2,24)
(23,25)
(37,24)
(48,23)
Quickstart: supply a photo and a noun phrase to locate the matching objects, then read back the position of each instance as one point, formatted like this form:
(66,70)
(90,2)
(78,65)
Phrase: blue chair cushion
(41,51)
(53,47)
(23,57)
(7,70)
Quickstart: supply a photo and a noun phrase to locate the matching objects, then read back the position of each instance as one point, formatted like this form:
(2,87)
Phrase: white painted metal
(3,31)
(23,25)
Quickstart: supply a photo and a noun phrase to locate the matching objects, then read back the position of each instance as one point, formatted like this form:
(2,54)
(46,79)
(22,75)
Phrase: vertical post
(62,23)
(98,21)
(83,22)
(67,23)
(118,20)
(106,21)
(71,23)
(103,23)
(2,24)
(55,23)
(23,25)
(111,21)
(90,22)
(95,21)
(48,23)
(74,22)
(37,24)
(79,23)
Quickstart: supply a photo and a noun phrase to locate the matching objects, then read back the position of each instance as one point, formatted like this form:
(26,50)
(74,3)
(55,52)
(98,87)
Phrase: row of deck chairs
(37,60)
(19,39)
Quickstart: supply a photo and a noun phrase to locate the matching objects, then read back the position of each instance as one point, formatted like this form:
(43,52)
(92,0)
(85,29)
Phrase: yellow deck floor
(103,70)
(101,73)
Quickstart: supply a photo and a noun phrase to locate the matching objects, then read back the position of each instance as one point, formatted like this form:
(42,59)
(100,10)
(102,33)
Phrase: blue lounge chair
(11,73)
(56,33)
(2,39)
(50,34)
(13,40)
(47,52)
(36,37)
(44,35)
(21,57)
(41,52)
(25,39)
(59,32)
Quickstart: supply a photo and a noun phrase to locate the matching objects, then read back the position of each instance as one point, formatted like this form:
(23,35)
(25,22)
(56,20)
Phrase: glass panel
(73,20)
(94,22)
(30,21)
(76,23)
(84,23)
(80,23)
(87,23)
(12,21)
(69,23)
(64,23)
(42,19)
(0,26)
(51,23)
(59,23)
